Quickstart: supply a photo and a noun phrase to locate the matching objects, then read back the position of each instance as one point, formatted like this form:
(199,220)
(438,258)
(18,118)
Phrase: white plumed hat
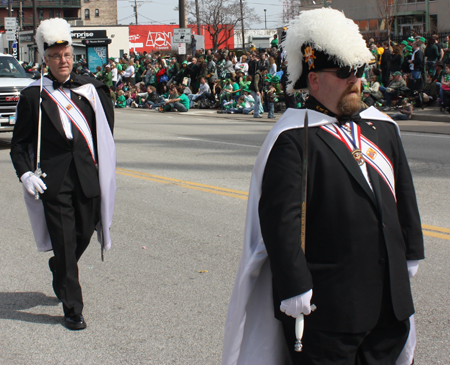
(322,38)
(52,32)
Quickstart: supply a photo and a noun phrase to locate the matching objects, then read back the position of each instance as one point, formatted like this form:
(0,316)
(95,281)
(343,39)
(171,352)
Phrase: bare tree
(386,10)
(220,17)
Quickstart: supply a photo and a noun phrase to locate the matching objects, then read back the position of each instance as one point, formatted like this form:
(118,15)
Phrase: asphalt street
(161,296)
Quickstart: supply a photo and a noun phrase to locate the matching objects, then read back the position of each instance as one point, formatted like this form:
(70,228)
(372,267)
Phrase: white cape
(106,170)
(252,334)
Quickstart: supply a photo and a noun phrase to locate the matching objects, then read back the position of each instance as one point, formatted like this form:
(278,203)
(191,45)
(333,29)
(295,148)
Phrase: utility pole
(197,15)
(135,12)
(35,17)
(182,19)
(265,19)
(242,25)
(427,17)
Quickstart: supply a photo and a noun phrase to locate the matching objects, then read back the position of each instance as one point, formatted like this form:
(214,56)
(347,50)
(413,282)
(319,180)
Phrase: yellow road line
(434,228)
(186,184)
(243,195)
(437,235)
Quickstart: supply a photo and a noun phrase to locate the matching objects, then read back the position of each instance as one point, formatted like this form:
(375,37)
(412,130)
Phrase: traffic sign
(10,35)
(10,23)
(181,35)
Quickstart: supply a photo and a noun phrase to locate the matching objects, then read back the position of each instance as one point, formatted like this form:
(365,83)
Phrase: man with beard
(363,235)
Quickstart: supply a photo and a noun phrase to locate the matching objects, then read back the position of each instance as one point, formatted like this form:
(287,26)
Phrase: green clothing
(121,101)
(119,67)
(235,88)
(274,42)
(244,85)
(107,79)
(185,101)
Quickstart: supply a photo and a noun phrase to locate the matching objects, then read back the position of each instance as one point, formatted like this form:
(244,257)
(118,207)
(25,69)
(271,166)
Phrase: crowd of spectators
(416,69)
(245,82)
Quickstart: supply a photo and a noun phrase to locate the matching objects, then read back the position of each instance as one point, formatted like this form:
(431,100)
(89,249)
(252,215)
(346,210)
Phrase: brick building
(420,16)
(98,12)
(76,12)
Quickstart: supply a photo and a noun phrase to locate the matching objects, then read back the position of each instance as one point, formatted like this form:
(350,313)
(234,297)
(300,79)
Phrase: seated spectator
(374,88)
(204,92)
(430,90)
(367,98)
(239,107)
(406,111)
(445,86)
(249,102)
(121,99)
(395,86)
(130,95)
(178,101)
(154,100)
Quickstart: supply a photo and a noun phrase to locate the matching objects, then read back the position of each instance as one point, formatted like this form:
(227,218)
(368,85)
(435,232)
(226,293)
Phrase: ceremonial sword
(38,172)
(299,321)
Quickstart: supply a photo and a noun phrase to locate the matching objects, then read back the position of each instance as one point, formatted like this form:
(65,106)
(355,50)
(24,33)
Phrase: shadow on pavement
(13,305)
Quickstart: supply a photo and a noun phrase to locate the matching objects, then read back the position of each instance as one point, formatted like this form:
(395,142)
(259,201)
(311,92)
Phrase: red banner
(152,38)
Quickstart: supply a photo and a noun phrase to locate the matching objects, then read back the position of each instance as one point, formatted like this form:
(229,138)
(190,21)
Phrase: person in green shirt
(274,42)
(107,76)
(121,100)
(177,101)
(236,89)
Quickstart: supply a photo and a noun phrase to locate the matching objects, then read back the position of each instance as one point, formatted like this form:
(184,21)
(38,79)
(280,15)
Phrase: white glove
(297,305)
(413,266)
(33,183)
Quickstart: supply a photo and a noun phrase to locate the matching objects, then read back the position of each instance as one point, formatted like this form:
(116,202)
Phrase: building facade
(406,16)
(76,12)
(98,12)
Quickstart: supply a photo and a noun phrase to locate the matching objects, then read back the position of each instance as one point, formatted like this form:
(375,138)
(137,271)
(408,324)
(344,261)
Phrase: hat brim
(57,43)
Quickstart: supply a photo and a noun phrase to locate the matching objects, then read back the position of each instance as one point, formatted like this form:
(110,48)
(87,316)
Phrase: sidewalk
(429,114)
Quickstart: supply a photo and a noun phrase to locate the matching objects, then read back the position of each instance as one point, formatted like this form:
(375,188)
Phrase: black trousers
(381,345)
(71,219)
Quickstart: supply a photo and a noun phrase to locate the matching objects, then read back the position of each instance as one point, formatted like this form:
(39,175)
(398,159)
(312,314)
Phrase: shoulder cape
(106,169)
(252,334)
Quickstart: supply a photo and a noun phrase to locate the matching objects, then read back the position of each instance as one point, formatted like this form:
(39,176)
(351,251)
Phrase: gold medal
(358,156)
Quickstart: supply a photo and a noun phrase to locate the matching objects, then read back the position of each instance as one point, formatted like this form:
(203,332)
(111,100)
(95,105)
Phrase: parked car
(13,79)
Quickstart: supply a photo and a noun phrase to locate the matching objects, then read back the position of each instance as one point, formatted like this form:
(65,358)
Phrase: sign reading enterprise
(88,34)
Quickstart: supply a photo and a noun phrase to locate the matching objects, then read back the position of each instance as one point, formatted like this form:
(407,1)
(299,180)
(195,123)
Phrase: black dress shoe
(75,322)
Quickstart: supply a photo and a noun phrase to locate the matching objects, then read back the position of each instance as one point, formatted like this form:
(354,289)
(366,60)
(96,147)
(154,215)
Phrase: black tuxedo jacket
(57,152)
(357,240)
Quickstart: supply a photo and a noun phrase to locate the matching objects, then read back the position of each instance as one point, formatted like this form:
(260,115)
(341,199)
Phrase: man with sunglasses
(63,152)
(363,235)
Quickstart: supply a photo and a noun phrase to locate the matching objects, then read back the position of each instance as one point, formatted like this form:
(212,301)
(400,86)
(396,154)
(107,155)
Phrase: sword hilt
(39,174)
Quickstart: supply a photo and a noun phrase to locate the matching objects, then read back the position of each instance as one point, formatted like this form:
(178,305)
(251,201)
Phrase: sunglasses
(346,72)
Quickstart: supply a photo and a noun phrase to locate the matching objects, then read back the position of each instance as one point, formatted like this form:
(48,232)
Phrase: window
(51,13)
(373,24)
(41,14)
(58,14)
(364,25)
(97,13)
(86,14)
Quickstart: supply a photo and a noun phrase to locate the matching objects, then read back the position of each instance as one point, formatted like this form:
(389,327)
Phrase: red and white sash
(68,107)
(372,154)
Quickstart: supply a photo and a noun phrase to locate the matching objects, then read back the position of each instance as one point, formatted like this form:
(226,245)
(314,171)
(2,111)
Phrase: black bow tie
(67,84)
(349,118)
(56,84)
